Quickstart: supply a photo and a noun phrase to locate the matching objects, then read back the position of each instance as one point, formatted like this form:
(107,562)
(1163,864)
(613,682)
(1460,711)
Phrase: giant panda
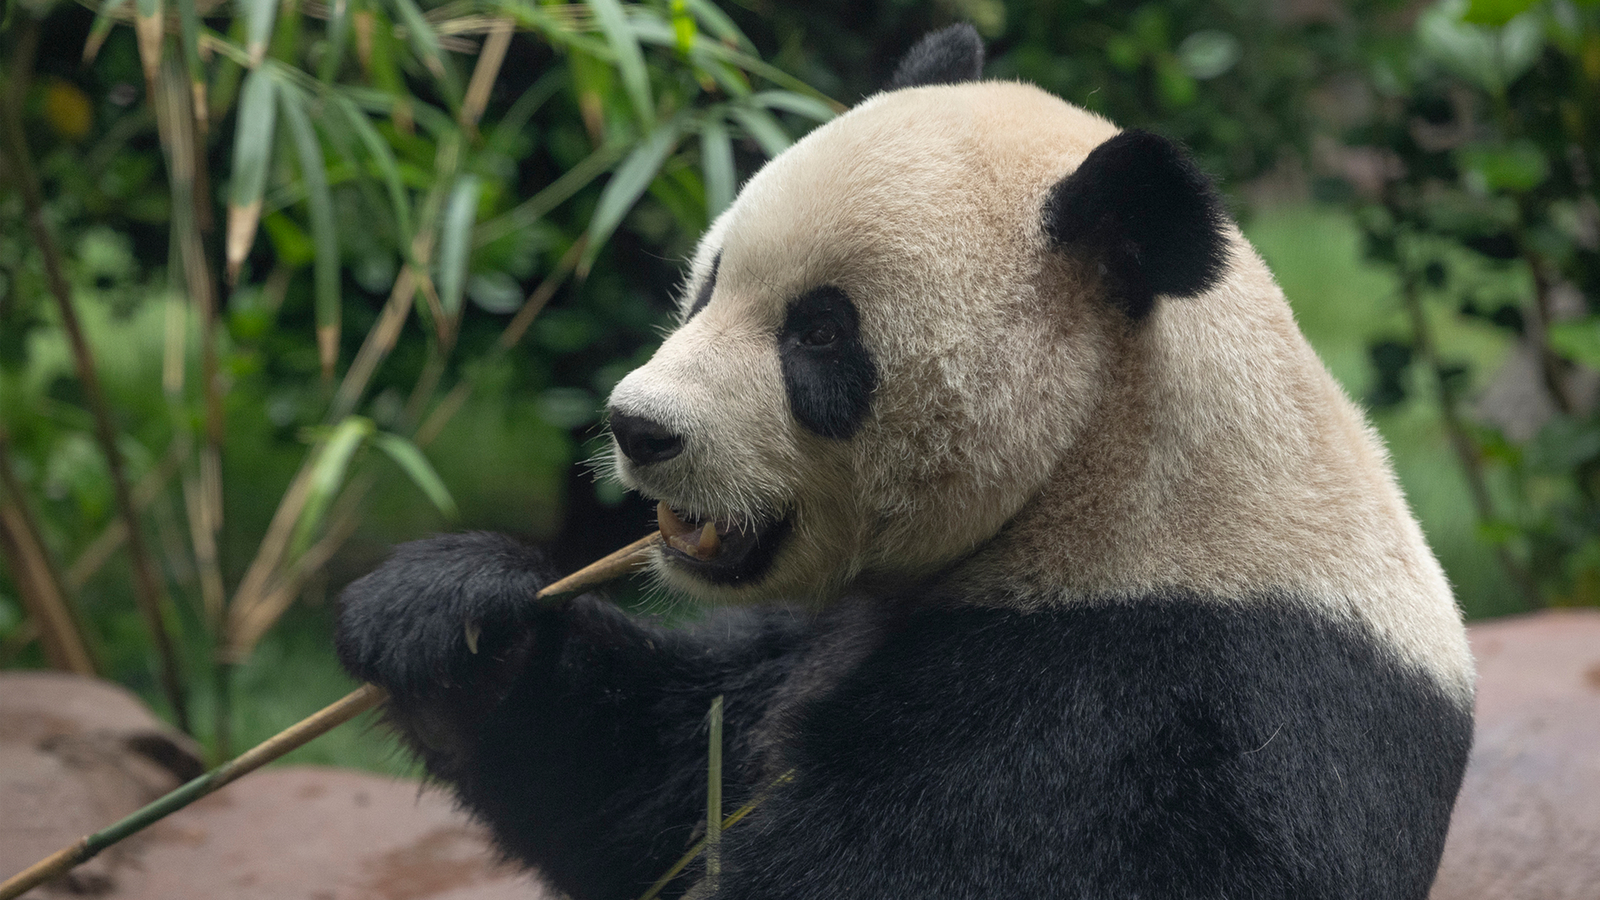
(1048,560)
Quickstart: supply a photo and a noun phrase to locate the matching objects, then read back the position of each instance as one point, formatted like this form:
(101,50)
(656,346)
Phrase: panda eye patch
(827,371)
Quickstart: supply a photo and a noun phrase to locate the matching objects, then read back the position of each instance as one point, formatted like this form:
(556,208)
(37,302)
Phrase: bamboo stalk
(485,72)
(699,846)
(713,851)
(147,586)
(358,701)
(178,124)
(37,578)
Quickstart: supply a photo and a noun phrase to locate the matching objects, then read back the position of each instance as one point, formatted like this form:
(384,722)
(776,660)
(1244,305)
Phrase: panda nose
(643,440)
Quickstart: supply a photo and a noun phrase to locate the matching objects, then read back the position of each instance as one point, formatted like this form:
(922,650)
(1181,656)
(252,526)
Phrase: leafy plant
(402,188)
(1486,127)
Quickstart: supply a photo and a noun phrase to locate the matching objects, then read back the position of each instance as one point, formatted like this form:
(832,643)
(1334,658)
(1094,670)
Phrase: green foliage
(1230,78)
(299,242)
(1489,123)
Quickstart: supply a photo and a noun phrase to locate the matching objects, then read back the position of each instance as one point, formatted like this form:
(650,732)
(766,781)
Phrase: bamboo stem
(363,698)
(699,846)
(484,73)
(147,586)
(713,849)
(36,576)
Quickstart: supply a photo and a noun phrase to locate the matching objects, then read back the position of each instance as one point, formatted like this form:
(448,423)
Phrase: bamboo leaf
(324,234)
(624,43)
(455,243)
(189,34)
(150,25)
(552,195)
(100,29)
(352,169)
(760,124)
(338,35)
(684,28)
(252,153)
(411,460)
(383,157)
(327,476)
(716,162)
(799,104)
(424,40)
(516,118)
(717,22)
(627,184)
(734,82)
(653,30)
(259,17)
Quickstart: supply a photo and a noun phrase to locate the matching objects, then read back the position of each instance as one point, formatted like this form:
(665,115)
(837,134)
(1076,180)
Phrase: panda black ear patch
(1142,208)
(948,56)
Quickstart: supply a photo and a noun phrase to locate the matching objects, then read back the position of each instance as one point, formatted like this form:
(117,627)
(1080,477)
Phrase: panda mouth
(721,551)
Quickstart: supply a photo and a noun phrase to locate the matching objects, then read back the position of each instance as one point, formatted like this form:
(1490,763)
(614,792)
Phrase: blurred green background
(349,273)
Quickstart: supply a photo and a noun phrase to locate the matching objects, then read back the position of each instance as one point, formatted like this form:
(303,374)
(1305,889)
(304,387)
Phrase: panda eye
(822,335)
(822,320)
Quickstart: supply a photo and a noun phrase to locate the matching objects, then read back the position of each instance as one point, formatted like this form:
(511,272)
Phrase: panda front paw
(443,613)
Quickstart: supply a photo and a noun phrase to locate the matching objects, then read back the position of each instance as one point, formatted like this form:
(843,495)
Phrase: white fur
(1206,448)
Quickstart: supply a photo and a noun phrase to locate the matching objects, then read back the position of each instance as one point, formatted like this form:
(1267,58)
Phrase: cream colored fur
(1025,437)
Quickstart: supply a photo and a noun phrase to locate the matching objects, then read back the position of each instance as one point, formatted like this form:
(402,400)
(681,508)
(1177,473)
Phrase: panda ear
(947,56)
(1140,207)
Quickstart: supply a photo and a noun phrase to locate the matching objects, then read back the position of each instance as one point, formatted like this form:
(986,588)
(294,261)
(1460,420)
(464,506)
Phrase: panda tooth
(710,543)
(671,526)
(682,536)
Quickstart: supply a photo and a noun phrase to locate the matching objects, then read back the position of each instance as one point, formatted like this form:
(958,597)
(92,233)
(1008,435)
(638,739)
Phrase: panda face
(880,356)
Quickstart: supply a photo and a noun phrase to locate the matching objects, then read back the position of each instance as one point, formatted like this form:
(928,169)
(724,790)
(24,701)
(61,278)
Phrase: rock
(320,834)
(1527,823)
(77,754)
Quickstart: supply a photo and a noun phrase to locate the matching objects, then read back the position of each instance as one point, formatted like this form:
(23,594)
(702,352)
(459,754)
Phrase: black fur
(827,371)
(703,296)
(948,56)
(576,733)
(1166,746)
(1149,217)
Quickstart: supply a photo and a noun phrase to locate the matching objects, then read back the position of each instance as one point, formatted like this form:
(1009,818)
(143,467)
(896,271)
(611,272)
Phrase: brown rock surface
(320,834)
(77,754)
(1527,824)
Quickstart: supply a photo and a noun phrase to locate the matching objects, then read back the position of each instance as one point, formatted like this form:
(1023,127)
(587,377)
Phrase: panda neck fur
(1221,459)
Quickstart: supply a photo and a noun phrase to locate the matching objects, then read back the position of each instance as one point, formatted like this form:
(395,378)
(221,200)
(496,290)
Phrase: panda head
(900,327)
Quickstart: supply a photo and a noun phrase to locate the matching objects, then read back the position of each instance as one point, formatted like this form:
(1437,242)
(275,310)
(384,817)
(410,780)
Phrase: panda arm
(577,734)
